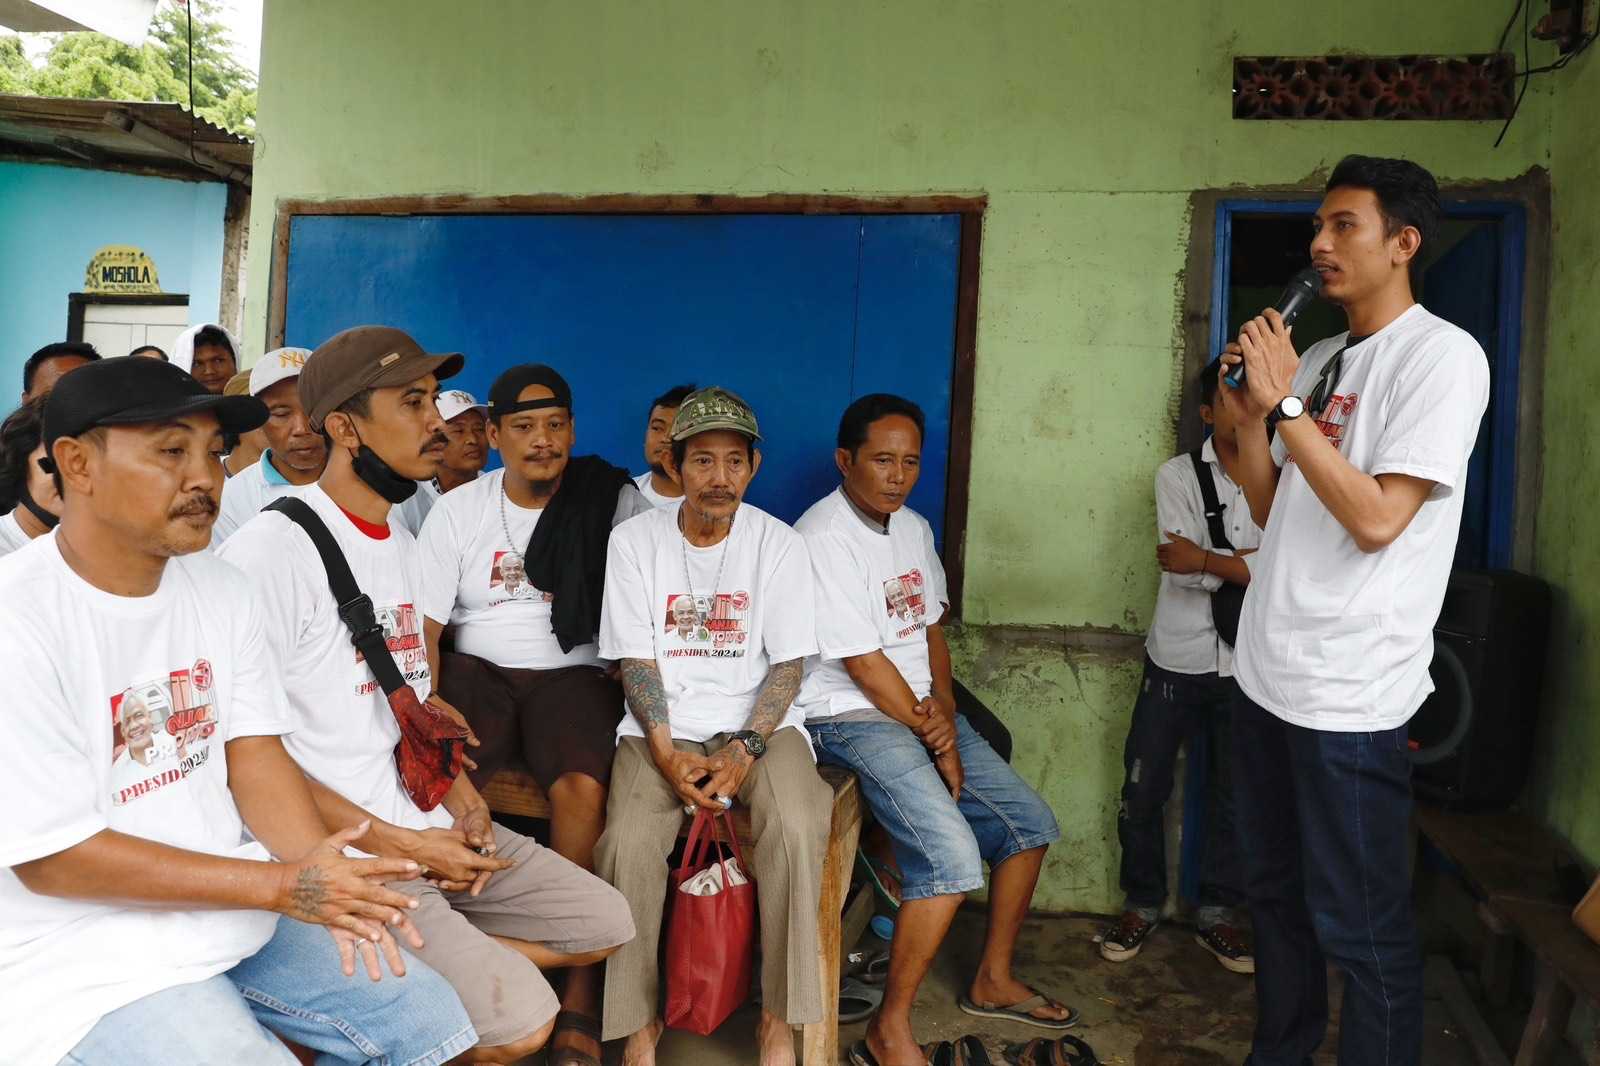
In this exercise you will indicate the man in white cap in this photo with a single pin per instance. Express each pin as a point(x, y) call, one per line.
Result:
point(295, 452)
point(208, 353)
point(466, 423)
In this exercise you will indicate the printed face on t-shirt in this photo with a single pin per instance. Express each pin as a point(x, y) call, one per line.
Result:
point(509, 575)
point(161, 731)
point(706, 626)
point(904, 599)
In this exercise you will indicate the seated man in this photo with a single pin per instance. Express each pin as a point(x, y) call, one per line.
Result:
point(138, 928)
point(1188, 683)
point(29, 506)
point(295, 455)
point(514, 564)
point(466, 423)
point(657, 485)
point(708, 606)
point(209, 353)
point(495, 906)
point(879, 700)
point(242, 449)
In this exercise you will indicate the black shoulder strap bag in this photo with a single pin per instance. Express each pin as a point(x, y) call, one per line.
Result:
point(428, 755)
point(1227, 601)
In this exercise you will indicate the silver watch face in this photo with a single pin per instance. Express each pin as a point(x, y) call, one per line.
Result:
point(1291, 407)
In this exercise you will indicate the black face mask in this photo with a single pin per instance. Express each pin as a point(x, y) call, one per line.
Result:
point(48, 520)
point(381, 478)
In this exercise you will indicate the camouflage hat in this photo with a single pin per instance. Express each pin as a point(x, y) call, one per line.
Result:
point(714, 408)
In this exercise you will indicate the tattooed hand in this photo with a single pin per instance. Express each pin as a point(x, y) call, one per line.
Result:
point(326, 888)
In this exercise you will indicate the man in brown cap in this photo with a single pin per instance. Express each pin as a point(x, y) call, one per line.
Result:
point(495, 907)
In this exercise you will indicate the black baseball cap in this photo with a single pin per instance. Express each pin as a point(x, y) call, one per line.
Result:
point(131, 390)
point(509, 385)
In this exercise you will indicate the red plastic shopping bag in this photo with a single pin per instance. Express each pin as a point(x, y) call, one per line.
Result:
point(711, 929)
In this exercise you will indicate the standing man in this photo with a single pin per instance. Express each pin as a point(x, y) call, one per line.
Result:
point(208, 352)
point(713, 717)
point(495, 907)
point(1360, 494)
point(525, 670)
point(295, 454)
point(45, 366)
point(880, 701)
point(466, 423)
point(657, 485)
point(29, 505)
point(139, 929)
point(1188, 685)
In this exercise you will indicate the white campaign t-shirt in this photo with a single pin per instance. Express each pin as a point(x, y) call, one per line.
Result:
point(244, 494)
point(647, 488)
point(713, 641)
point(183, 671)
point(498, 614)
point(1183, 637)
point(414, 512)
point(11, 535)
point(343, 730)
point(1332, 637)
point(876, 589)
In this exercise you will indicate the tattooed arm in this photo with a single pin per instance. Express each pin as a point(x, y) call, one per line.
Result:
point(773, 700)
point(647, 700)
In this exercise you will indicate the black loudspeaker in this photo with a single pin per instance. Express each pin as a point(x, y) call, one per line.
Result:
point(1472, 738)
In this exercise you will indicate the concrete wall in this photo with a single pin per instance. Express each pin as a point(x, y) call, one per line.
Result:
point(1088, 127)
point(52, 221)
point(1567, 785)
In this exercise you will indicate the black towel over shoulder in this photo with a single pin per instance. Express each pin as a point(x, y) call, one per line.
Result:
point(566, 555)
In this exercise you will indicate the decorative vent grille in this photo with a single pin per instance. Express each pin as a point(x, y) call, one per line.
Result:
point(1368, 87)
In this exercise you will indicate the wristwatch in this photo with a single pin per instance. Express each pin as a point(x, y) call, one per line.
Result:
point(753, 742)
point(1291, 406)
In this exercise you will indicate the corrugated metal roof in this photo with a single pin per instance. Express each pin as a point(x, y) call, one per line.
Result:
point(76, 131)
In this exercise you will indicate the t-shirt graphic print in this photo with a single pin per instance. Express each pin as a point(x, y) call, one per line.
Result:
point(402, 633)
point(161, 732)
point(508, 580)
point(904, 599)
point(713, 627)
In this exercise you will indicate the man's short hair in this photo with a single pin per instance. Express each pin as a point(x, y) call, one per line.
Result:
point(150, 348)
point(672, 398)
point(20, 434)
point(358, 406)
point(58, 350)
point(215, 337)
point(859, 416)
point(680, 448)
point(1407, 194)
point(1208, 382)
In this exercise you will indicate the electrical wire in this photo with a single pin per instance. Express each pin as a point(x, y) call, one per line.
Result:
point(1509, 23)
point(1528, 69)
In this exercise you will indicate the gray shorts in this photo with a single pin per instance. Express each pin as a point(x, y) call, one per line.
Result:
point(543, 899)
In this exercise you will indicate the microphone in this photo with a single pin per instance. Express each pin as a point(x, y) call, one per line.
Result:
point(1301, 290)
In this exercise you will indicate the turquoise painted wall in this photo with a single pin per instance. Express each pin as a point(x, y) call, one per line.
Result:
point(1087, 126)
point(52, 221)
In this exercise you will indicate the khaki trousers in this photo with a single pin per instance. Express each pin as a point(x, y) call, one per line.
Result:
point(790, 812)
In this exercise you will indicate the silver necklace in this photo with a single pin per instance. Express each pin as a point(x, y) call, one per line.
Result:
point(512, 557)
point(701, 614)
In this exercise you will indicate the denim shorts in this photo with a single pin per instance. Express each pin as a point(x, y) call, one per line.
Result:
point(293, 986)
point(941, 845)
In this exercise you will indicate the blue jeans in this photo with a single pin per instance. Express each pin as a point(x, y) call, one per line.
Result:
point(293, 986)
point(1325, 820)
point(1170, 708)
point(941, 845)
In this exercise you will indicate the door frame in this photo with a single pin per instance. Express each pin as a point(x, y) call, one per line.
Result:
point(78, 303)
point(1512, 217)
point(970, 207)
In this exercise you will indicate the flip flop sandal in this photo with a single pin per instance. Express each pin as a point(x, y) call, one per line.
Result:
point(969, 1051)
point(1063, 1051)
point(872, 868)
point(876, 971)
point(1023, 1012)
point(857, 1000)
point(938, 1054)
point(573, 1022)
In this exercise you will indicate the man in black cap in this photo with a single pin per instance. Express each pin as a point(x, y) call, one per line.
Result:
point(514, 563)
point(495, 907)
point(139, 928)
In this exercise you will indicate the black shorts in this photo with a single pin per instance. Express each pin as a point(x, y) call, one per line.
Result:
point(553, 722)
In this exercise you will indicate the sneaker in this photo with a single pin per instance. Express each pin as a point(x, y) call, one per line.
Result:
point(1229, 946)
point(1124, 940)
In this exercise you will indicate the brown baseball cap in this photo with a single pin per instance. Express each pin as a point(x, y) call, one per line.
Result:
point(367, 357)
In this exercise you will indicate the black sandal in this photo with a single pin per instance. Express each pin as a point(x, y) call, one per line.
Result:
point(573, 1022)
point(969, 1051)
point(937, 1054)
point(1064, 1051)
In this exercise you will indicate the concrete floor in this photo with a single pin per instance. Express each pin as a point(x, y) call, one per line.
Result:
point(1171, 1006)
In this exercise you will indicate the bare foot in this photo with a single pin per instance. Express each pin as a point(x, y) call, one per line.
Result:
point(892, 1043)
point(775, 1040)
point(640, 1048)
point(1007, 991)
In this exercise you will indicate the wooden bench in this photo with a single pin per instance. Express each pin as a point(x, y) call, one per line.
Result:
point(512, 791)
point(1508, 862)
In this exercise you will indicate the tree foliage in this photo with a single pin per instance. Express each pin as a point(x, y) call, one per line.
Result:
point(96, 67)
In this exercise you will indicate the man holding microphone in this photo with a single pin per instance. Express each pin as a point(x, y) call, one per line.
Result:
point(1360, 493)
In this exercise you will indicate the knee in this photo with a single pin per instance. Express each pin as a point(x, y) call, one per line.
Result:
point(1142, 795)
point(578, 795)
point(616, 921)
point(517, 1050)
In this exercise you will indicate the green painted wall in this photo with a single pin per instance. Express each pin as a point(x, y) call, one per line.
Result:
point(1567, 785)
point(1088, 127)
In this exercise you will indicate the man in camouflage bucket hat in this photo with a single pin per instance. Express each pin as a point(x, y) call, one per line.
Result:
point(708, 609)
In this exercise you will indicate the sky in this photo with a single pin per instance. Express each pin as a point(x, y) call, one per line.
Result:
point(242, 17)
